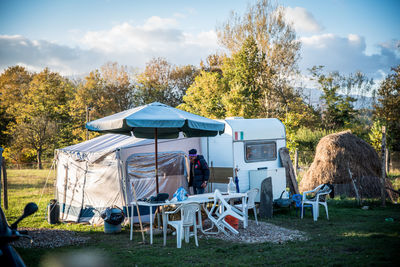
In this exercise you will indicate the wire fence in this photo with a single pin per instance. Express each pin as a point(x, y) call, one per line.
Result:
point(28, 165)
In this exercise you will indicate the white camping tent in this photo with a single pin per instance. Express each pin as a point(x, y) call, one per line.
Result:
point(97, 174)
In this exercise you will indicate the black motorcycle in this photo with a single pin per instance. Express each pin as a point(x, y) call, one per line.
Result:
point(8, 255)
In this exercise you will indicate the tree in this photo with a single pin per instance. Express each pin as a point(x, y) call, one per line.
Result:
point(118, 85)
point(102, 93)
point(241, 73)
point(276, 40)
point(163, 82)
point(14, 84)
point(338, 110)
point(204, 96)
point(213, 63)
point(4, 122)
point(42, 111)
point(235, 87)
point(387, 110)
point(182, 77)
point(375, 136)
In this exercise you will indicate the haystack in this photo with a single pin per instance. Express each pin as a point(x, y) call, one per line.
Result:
point(347, 162)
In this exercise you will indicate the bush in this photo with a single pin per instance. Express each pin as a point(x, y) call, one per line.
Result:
point(308, 138)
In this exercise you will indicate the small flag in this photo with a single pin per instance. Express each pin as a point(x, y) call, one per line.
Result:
point(238, 136)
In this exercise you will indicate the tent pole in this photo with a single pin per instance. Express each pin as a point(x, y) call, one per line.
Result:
point(83, 191)
point(122, 176)
point(156, 150)
point(65, 190)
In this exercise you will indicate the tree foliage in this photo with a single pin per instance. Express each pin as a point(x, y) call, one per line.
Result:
point(242, 72)
point(205, 96)
point(276, 42)
point(14, 84)
point(163, 82)
point(337, 102)
point(387, 110)
point(102, 93)
point(41, 109)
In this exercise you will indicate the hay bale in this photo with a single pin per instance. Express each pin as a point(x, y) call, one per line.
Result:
point(335, 154)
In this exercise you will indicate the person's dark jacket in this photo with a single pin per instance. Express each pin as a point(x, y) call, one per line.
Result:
point(199, 172)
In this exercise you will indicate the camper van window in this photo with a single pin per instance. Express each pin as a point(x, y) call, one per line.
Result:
point(260, 151)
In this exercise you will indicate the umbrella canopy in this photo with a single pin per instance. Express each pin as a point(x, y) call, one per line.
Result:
point(155, 121)
point(169, 121)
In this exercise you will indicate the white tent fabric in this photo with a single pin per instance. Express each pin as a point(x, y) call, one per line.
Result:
point(95, 174)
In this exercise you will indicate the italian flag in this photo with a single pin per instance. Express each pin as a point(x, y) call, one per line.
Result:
point(238, 136)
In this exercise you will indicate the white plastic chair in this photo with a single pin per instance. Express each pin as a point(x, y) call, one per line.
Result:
point(320, 199)
point(188, 219)
point(220, 210)
point(250, 203)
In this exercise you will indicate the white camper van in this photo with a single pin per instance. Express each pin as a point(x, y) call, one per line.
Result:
point(251, 147)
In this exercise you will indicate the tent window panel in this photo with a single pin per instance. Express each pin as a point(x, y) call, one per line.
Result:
point(257, 151)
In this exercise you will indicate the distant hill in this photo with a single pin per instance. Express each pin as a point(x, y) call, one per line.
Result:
point(312, 96)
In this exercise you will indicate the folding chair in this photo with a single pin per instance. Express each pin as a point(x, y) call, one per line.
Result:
point(220, 210)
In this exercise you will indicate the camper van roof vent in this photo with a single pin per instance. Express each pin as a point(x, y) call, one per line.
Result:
point(234, 118)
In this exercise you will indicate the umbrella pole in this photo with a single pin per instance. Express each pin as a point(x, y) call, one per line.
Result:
point(156, 150)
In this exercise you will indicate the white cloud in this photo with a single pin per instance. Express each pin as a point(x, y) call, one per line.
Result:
point(134, 45)
point(302, 20)
point(157, 37)
point(125, 43)
point(346, 55)
point(36, 55)
point(155, 22)
point(180, 15)
point(125, 38)
point(393, 45)
point(203, 39)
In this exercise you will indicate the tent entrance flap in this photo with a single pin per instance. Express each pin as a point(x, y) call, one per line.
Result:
point(141, 171)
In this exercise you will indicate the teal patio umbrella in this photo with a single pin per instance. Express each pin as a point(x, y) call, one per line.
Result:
point(157, 121)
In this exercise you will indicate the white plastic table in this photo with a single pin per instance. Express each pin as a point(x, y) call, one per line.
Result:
point(201, 199)
point(209, 197)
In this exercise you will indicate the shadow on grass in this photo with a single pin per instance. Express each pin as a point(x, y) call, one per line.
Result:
point(27, 185)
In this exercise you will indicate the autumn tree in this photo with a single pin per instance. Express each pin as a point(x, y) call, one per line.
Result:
point(205, 96)
point(163, 82)
point(101, 93)
point(213, 63)
point(276, 41)
point(42, 111)
point(14, 84)
point(387, 110)
point(118, 83)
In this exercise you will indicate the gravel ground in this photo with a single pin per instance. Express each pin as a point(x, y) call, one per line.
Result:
point(263, 232)
point(49, 238)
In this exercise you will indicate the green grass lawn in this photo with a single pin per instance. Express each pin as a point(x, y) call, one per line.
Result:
point(352, 236)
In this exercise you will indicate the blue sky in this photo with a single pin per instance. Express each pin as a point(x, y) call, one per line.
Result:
point(75, 37)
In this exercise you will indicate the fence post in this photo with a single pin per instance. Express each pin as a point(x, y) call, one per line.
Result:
point(383, 171)
point(296, 161)
point(387, 161)
point(5, 193)
point(1, 169)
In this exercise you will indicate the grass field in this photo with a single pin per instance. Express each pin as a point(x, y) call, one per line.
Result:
point(352, 236)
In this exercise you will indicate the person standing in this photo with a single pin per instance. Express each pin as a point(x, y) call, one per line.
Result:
point(199, 172)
